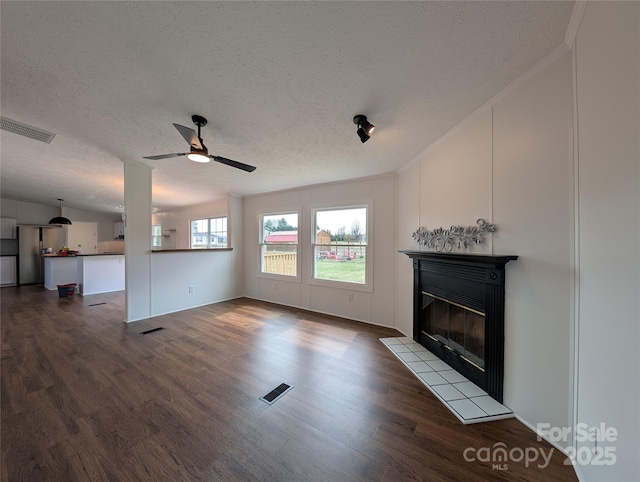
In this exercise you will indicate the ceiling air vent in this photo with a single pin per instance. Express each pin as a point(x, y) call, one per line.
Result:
point(26, 130)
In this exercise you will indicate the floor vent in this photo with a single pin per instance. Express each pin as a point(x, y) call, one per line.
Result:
point(276, 393)
point(25, 130)
point(146, 332)
point(97, 304)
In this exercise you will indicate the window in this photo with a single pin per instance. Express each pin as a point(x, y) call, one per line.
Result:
point(209, 233)
point(340, 245)
point(156, 236)
point(279, 244)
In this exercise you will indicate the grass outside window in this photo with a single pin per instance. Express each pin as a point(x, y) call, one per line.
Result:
point(350, 271)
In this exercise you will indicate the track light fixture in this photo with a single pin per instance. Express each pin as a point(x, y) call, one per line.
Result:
point(59, 219)
point(365, 128)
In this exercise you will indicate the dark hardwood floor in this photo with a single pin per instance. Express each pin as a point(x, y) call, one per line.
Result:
point(86, 397)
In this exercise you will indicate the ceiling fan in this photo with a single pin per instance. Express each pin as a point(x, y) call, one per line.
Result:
point(199, 152)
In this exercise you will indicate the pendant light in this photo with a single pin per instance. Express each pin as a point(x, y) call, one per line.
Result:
point(59, 219)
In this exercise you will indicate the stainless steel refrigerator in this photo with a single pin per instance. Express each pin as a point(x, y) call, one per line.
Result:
point(31, 242)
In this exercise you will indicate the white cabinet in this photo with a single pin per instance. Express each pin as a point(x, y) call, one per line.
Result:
point(118, 230)
point(7, 270)
point(7, 228)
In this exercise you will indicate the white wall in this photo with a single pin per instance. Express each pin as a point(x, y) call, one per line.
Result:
point(572, 312)
point(532, 206)
point(176, 222)
point(235, 226)
point(33, 213)
point(28, 213)
point(83, 236)
point(210, 273)
point(608, 110)
point(214, 275)
point(376, 307)
point(510, 164)
point(407, 220)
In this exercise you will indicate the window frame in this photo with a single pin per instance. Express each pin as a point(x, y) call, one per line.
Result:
point(367, 286)
point(276, 276)
point(209, 233)
point(156, 236)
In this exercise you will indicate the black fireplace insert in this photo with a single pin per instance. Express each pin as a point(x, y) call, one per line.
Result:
point(459, 313)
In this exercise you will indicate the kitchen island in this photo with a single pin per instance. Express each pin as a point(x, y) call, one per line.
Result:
point(100, 273)
point(59, 270)
point(93, 273)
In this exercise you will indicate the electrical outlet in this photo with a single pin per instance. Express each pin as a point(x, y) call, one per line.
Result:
point(191, 289)
point(350, 296)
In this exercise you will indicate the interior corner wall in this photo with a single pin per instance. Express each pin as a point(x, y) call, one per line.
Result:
point(607, 59)
point(235, 225)
point(533, 208)
point(375, 307)
point(511, 164)
point(407, 220)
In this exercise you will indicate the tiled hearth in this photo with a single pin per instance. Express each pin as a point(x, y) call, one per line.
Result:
point(467, 401)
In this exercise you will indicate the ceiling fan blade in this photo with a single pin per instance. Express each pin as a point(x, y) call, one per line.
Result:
point(165, 156)
point(236, 164)
point(189, 135)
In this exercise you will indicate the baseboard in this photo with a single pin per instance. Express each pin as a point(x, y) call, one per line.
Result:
point(183, 309)
point(555, 445)
point(321, 312)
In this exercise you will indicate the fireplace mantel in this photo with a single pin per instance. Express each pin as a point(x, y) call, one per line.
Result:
point(472, 281)
point(488, 260)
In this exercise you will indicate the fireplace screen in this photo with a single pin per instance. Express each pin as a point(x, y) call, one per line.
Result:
point(459, 328)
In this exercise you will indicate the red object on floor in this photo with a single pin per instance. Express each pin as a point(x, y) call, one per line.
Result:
point(66, 290)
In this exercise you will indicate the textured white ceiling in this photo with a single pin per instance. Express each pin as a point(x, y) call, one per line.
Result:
point(278, 81)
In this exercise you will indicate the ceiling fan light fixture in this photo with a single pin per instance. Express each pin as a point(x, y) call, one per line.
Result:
point(199, 152)
point(198, 157)
point(365, 128)
point(60, 219)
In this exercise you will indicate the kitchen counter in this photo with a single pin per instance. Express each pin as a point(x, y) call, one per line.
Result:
point(101, 254)
point(56, 255)
point(93, 273)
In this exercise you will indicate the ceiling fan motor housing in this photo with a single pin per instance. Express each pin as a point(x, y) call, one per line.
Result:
point(199, 121)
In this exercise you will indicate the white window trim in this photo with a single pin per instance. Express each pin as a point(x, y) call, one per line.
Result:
point(344, 285)
point(274, 276)
point(154, 236)
point(208, 218)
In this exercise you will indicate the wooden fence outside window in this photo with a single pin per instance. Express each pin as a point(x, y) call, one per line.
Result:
point(279, 262)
